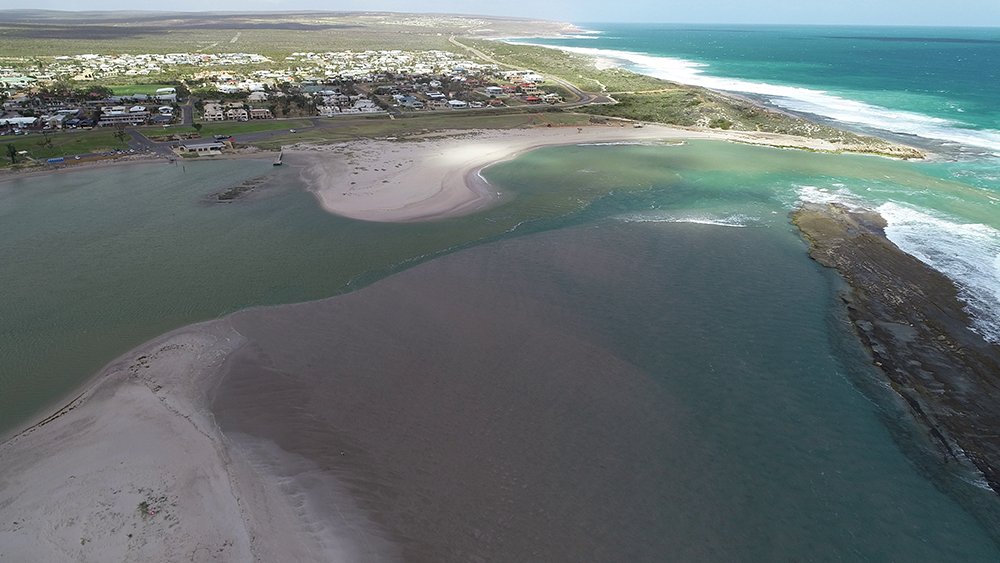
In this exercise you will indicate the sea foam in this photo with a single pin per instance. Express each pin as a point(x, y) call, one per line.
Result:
point(734, 220)
point(968, 254)
point(795, 98)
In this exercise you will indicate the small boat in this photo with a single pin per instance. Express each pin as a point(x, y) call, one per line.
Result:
point(277, 161)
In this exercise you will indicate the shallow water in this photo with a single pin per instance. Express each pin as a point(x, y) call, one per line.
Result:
point(788, 440)
point(619, 390)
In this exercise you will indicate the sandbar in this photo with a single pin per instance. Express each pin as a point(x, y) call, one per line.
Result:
point(437, 175)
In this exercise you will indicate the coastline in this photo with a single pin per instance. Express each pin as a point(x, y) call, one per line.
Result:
point(437, 175)
point(7, 175)
point(910, 319)
point(152, 407)
point(135, 467)
point(100, 479)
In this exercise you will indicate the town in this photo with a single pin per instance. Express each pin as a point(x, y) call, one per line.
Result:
point(83, 91)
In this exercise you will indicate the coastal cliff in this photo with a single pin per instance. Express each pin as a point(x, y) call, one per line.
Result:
point(910, 318)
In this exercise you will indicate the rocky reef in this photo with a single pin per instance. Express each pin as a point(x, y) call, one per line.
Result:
point(911, 319)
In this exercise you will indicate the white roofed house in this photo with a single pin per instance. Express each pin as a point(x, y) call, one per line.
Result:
point(203, 148)
point(166, 94)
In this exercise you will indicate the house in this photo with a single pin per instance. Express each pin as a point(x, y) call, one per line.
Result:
point(237, 114)
point(203, 148)
point(260, 113)
point(257, 96)
point(494, 90)
point(18, 121)
point(457, 104)
point(166, 94)
point(213, 112)
point(533, 100)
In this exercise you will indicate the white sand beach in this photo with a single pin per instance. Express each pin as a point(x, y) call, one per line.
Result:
point(436, 175)
point(135, 469)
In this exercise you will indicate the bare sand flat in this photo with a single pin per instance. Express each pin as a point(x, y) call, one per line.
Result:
point(135, 469)
point(130, 471)
point(436, 175)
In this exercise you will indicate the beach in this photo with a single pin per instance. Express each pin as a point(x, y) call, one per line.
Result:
point(437, 175)
point(450, 346)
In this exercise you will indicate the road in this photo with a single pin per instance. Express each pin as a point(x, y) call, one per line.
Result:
point(583, 98)
point(141, 143)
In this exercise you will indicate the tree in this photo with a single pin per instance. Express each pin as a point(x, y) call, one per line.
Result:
point(121, 135)
point(12, 153)
point(46, 140)
point(197, 127)
point(182, 90)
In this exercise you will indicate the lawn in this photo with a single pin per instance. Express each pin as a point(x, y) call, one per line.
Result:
point(210, 129)
point(346, 129)
point(132, 89)
point(64, 143)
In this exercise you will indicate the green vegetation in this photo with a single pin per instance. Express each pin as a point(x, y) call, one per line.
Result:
point(63, 143)
point(211, 128)
point(345, 129)
point(47, 34)
point(132, 89)
point(645, 98)
point(578, 70)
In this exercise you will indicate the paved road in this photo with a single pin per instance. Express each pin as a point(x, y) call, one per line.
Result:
point(141, 143)
point(187, 112)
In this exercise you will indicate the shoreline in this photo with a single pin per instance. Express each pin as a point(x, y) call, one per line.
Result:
point(438, 175)
point(916, 329)
point(114, 469)
point(7, 175)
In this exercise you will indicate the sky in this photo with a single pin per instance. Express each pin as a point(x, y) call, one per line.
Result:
point(862, 12)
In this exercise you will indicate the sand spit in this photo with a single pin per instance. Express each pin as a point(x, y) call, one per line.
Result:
point(448, 413)
point(130, 470)
point(134, 469)
point(436, 175)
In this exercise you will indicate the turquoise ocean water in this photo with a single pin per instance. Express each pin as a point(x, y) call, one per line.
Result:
point(928, 85)
point(937, 88)
point(793, 448)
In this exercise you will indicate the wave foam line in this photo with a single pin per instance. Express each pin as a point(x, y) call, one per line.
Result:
point(795, 98)
point(736, 220)
point(968, 254)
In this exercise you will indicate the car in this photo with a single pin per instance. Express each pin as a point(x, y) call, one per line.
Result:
point(292, 131)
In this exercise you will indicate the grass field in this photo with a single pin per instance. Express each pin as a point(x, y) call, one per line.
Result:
point(346, 129)
point(66, 144)
point(132, 89)
point(229, 127)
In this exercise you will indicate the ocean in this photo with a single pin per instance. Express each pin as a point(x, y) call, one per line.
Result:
point(936, 88)
point(752, 426)
point(926, 85)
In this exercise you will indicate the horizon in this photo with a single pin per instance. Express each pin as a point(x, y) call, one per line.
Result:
point(987, 18)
